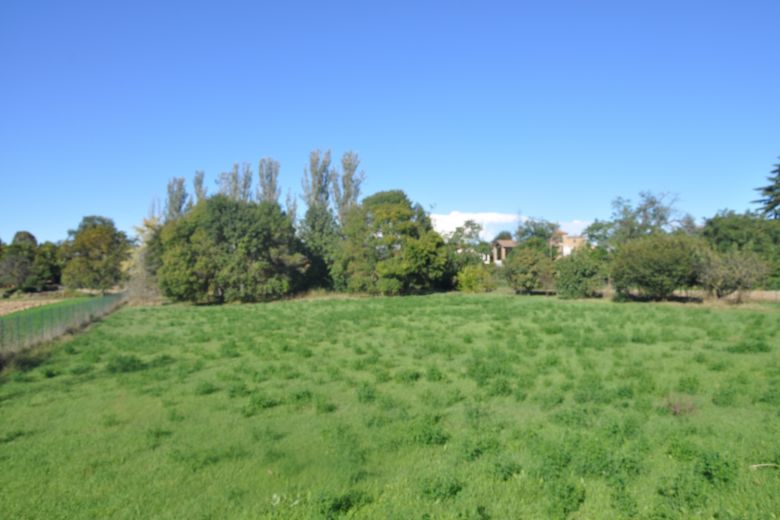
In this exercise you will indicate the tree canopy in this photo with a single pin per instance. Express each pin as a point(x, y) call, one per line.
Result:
point(770, 195)
point(94, 254)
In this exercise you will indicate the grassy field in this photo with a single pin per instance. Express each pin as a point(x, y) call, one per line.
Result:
point(444, 406)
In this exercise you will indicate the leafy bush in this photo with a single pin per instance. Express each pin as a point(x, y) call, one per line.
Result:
point(581, 274)
point(656, 265)
point(528, 269)
point(475, 278)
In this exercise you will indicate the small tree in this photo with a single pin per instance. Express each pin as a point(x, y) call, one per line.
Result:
point(527, 269)
point(581, 274)
point(94, 253)
point(734, 271)
point(656, 265)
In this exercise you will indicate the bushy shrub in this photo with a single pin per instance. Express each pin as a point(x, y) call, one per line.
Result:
point(475, 278)
point(656, 265)
point(580, 275)
point(528, 270)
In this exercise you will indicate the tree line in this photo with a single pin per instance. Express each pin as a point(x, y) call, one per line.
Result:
point(92, 257)
point(241, 243)
point(650, 250)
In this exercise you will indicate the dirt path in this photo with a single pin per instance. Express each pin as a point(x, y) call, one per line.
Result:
point(8, 307)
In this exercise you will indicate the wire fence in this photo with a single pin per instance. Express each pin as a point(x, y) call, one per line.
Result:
point(30, 327)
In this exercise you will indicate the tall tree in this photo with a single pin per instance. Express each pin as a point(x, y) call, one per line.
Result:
point(94, 254)
point(268, 172)
point(319, 230)
point(346, 189)
point(390, 247)
point(200, 189)
point(176, 200)
point(236, 185)
point(317, 179)
point(770, 195)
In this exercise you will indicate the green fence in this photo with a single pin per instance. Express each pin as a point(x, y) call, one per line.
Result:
point(24, 329)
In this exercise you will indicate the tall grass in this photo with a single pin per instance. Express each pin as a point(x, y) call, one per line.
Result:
point(444, 406)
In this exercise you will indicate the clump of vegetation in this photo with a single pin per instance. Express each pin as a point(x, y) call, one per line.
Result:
point(475, 279)
point(441, 487)
point(120, 363)
point(527, 269)
point(581, 274)
point(655, 266)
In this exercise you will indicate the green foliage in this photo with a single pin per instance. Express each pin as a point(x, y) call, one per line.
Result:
point(476, 278)
point(528, 269)
point(770, 195)
point(538, 234)
point(390, 247)
point(94, 254)
point(226, 250)
point(730, 232)
point(724, 273)
point(28, 266)
point(581, 274)
point(653, 214)
point(656, 265)
point(319, 233)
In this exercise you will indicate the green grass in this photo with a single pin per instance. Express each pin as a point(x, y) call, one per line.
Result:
point(444, 406)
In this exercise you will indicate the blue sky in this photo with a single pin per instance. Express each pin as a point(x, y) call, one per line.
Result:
point(550, 109)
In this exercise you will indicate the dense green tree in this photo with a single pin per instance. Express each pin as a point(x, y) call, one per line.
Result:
point(390, 247)
point(230, 250)
point(770, 195)
point(17, 264)
point(656, 265)
point(47, 267)
point(528, 269)
point(94, 254)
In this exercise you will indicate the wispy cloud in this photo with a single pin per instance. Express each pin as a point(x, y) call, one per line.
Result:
point(493, 222)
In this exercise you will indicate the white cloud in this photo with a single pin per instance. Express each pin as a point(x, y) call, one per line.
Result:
point(493, 222)
point(575, 227)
